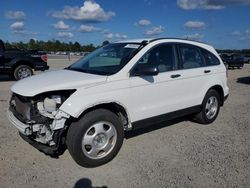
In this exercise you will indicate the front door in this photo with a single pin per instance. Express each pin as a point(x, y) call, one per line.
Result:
point(156, 95)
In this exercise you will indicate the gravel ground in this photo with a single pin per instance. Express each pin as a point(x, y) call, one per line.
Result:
point(178, 154)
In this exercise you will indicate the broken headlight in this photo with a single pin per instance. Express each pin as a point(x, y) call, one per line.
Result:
point(52, 101)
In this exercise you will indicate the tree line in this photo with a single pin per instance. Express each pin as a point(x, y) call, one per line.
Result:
point(243, 51)
point(56, 45)
point(50, 46)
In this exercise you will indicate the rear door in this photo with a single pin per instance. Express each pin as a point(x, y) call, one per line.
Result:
point(193, 75)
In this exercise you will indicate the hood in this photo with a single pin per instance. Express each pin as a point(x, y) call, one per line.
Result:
point(55, 80)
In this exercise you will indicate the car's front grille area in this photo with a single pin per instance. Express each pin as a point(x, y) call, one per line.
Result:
point(21, 108)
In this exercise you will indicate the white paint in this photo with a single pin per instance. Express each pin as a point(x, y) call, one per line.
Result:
point(141, 97)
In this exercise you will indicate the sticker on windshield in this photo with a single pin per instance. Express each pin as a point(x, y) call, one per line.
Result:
point(132, 46)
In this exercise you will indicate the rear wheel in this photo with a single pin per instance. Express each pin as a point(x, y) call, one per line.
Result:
point(96, 138)
point(210, 108)
point(22, 71)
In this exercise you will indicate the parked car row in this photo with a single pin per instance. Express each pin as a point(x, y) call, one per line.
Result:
point(69, 53)
point(234, 60)
point(247, 59)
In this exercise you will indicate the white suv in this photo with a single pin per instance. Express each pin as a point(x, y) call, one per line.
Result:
point(119, 87)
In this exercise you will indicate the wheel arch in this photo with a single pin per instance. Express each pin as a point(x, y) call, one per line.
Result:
point(220, 91)
point(22, 62)
point(114, 107)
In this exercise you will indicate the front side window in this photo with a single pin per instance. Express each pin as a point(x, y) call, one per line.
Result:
point(162, 56)
point(106, 60)
point(191, 57)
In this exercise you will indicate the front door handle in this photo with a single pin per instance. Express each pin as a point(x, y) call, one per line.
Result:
point(207, 71)
point(175, 75)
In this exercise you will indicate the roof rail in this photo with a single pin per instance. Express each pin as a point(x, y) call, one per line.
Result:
point(176, 39)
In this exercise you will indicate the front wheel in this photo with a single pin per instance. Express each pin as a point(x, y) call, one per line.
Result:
point(22, 71)
point(96, 138)
point(210, 108)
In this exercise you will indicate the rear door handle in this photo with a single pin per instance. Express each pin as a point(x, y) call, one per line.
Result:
point(207, 71)
point(175, 75)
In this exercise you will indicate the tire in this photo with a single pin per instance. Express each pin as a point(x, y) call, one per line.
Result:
point(22, 71)
point(95, 132)
point(212, 102)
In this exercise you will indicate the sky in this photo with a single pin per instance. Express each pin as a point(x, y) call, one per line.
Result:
point(225, 24)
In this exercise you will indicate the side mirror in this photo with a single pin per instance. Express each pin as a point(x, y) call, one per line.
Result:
point(145, 70)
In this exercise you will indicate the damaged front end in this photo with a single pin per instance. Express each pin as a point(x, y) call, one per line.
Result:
point(40, 121)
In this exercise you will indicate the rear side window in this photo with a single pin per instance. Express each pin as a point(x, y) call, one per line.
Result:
point(191, 57)
point(210, 58)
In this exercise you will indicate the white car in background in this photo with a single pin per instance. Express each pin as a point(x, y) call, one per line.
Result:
point(119, 87)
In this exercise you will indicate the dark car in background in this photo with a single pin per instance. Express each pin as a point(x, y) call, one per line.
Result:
point(247, 59)
point(20, 64)
point(233, 60)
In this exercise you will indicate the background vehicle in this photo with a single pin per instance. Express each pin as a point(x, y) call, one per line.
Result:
point(118, 87)
point(20, 64)
point(233, 60)
point(247, 59)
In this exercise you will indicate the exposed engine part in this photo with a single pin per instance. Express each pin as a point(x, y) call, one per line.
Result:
point(48, 109)
point(45, 136)
point(49, 105)
point(44, 112)
point(41, 114)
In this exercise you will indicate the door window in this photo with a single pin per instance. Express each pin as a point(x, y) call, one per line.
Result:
point(210, 58)
point(162, 56)
point(191, 57)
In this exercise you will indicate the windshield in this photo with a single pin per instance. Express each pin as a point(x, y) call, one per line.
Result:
point(106, 60)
